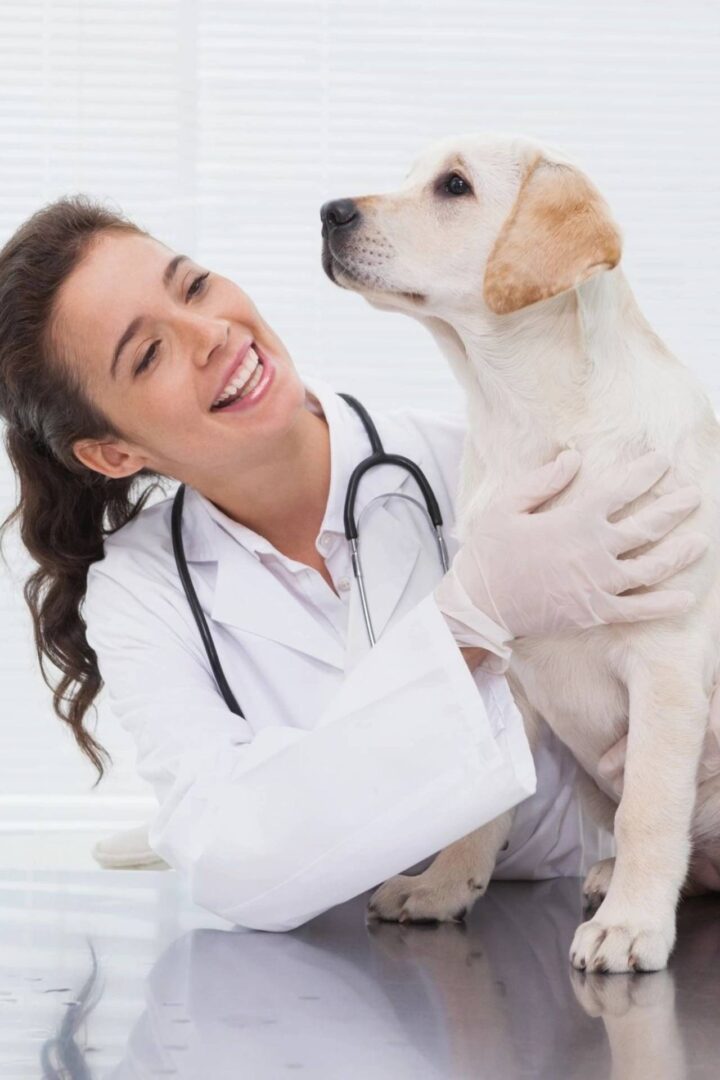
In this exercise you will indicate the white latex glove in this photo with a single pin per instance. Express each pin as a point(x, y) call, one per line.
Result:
point(521, 573)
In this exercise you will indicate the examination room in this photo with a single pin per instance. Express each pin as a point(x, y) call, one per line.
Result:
point(360, 540)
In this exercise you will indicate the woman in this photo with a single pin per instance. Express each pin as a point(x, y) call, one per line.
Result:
point(351, 764)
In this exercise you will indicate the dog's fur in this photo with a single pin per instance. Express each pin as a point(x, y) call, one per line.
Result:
point(519, 282)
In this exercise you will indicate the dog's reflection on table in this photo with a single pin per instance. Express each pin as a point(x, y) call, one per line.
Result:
point(509, 997)
point(496, 998)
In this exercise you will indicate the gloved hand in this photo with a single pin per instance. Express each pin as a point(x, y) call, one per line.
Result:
point(521, 573)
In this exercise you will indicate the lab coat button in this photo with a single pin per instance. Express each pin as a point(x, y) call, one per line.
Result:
point(324, 540)
point(343, 584)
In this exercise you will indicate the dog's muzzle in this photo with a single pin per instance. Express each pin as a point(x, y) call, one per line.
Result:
point(339, 218)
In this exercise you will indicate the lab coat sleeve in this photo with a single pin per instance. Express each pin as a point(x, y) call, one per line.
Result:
point(272, 828)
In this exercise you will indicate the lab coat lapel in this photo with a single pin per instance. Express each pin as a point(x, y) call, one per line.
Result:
point(247, 596)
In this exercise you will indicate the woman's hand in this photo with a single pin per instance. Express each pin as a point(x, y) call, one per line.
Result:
point(540, 573)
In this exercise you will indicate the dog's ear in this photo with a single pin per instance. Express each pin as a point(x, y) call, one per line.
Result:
point(558, 234)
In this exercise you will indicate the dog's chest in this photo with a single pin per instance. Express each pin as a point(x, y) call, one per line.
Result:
point(569, 681)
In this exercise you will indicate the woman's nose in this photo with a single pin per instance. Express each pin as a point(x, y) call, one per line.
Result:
point(210, 334)
point(338, 213)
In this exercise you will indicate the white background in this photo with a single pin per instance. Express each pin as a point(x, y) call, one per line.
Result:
point(222, 127)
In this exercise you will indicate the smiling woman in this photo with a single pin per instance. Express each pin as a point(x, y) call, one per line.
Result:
point(122, 362)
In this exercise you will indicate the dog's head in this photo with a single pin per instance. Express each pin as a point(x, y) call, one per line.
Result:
point(482, 220)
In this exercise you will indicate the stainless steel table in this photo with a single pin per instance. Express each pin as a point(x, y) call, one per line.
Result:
point(117, 974)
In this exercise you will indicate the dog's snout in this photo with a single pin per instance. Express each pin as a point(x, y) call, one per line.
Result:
point(338, 213)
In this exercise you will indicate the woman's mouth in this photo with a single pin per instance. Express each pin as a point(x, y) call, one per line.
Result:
point(248, 384)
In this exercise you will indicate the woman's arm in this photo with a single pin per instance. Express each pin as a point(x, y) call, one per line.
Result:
point(273, 827)
point(474, 657)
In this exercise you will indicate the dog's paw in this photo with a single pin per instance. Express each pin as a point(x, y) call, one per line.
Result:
point(621, 946)
point(424, 898)
point(599, 996)
point(597, 883)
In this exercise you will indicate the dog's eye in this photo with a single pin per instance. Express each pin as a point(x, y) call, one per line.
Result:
point(456, 185)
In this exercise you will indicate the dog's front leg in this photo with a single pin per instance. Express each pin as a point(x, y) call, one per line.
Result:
point(634, 927)
point(447, 890)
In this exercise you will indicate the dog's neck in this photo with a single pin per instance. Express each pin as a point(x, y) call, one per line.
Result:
point(582, 369)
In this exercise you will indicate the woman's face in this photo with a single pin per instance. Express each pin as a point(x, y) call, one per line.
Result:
point(187, 328)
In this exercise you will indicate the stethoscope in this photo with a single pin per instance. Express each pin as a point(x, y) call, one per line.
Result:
point(431, 510)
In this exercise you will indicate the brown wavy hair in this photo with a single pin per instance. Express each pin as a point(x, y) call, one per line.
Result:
point(65, 509)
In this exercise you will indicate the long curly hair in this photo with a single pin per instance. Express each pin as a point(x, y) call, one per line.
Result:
point(64, 508)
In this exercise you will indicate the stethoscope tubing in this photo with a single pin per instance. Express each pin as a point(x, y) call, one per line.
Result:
point(376, 457)
point(207, 640)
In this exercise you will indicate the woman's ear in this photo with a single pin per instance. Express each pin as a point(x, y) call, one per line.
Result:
point(558, 234)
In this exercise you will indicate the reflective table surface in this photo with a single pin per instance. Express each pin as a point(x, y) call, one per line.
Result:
point(117, 974)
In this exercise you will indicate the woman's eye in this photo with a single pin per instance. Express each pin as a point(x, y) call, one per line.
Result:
point(147, 358)
point(197, 285)
point(456, 185)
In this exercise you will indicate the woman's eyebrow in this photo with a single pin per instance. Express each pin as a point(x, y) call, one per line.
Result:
point(133, 327)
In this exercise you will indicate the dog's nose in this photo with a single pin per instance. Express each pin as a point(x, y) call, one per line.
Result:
point(339, 212)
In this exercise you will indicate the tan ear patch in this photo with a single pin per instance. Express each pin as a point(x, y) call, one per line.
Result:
point(558, 234)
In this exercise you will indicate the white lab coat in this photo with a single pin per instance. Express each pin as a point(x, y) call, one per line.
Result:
point(351, 764)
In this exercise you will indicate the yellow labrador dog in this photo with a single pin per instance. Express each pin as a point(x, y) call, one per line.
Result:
point(509, 255)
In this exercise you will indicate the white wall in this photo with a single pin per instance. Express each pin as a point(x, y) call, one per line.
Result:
point(223, 125)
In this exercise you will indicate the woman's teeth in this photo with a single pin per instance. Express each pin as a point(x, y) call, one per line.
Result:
point(244, 381)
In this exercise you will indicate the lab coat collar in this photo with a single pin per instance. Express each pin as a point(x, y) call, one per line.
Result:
point(243, 598)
